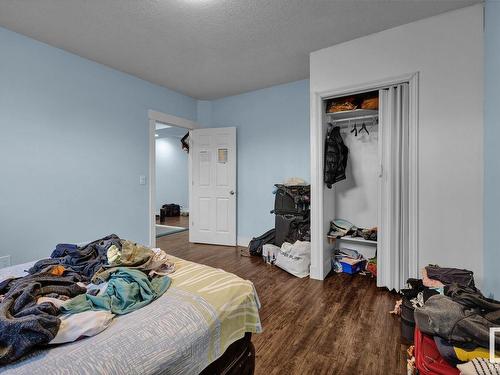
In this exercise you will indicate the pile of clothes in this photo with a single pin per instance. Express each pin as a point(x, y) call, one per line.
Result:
point(453, 319)
point(340, 228)
point(77, 292)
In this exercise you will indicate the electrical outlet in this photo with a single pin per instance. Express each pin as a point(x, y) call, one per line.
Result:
point(142, 180)
point(5, 261)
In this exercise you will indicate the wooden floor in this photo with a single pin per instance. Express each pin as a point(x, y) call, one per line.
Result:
point(339, 326)
point(176, 221)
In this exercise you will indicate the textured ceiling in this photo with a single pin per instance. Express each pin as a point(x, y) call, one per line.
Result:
point(209, 48)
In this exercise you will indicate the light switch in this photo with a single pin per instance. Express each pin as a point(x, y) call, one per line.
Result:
point(142, 180)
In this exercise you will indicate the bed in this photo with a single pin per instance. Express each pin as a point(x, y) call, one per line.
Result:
point(202, 324)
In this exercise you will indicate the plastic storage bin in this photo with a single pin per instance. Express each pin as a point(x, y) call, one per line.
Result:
point(352, 266)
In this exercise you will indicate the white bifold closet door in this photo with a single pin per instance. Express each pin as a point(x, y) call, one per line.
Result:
point(393, 251)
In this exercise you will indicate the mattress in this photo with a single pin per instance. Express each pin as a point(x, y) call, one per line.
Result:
point(203, 312)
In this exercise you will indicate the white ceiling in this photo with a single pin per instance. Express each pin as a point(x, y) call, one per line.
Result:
point(209, 48)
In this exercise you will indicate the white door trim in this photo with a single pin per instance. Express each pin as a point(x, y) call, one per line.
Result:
point(320, 257)
point(154, 117)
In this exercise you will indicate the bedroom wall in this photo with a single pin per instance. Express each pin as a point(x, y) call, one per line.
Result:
point(73, 143)
point(447, 51)
point(491, 150)
point(172, 185)
point(273, 144)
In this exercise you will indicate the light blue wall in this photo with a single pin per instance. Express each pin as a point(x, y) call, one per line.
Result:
point(171, 173)
point(273, 144)
point(73, 143)
point(492, 150)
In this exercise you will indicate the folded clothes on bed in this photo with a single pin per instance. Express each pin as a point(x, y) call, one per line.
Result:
point(128, 290)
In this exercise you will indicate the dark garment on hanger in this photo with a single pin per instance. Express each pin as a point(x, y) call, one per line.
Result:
point(185, 142)
point(335, 157)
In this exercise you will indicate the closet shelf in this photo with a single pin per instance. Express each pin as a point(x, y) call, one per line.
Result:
point(352, 239)
point(355, 114)
point(352, 114)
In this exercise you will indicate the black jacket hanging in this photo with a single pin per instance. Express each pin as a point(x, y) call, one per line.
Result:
point(335, 157)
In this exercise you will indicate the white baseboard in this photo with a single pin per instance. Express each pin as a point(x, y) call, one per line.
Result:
point(243, 241)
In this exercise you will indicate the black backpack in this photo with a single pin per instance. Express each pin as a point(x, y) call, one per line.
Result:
point(256, 244)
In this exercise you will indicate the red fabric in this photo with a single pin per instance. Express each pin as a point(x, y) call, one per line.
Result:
point(427, 358)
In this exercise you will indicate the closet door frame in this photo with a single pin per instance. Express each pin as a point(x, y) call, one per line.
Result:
point(320, 249)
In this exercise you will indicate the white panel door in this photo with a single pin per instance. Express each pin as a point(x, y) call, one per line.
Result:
point(212, 154)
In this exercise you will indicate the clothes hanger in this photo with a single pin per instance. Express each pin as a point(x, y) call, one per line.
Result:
point(364, 127)
point(355, 130)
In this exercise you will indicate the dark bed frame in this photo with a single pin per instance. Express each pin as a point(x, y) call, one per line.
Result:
point(238, 359)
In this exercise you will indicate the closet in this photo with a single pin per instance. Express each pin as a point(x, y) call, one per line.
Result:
point(374, 192)
point(355, 193)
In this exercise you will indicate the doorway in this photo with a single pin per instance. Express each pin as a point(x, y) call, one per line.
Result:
point(172, 180)
point(209, 212)
point(169, 173)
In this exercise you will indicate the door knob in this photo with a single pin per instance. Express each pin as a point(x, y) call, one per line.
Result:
point(231, 192)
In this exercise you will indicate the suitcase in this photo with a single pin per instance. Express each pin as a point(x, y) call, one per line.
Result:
point(282, 225)
point(291, 200)
point(169, 210)
point(427, 358)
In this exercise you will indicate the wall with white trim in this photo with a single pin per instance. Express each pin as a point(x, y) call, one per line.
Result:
point(447, 51)
point(491, 150)
point(73, 145)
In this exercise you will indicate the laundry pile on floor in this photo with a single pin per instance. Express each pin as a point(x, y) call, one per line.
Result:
point(448, 319)
point(287, 245)
point(77, 292)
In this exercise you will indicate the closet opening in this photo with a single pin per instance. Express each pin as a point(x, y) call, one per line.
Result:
point(351, 175)
point(364, 182)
